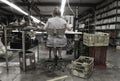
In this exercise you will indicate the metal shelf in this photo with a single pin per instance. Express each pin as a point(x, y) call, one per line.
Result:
point(106, 5)
point(23, 48)
point(108, 23)
point(14, 49)
point(110, 16)
point(106, 11)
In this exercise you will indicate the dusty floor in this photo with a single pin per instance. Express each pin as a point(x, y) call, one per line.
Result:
point(111, 73)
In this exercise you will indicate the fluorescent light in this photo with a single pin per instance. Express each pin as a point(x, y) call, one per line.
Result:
point(14, 6)
point(35, 19)
point(62, 7)
point(20, 10)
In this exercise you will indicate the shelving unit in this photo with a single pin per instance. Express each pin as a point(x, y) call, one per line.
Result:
point(108, 19)
point(86, 24)
point(6, 44)
point(88, 21)
point(23, 49)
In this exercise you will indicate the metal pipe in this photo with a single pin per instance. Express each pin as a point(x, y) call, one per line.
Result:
point(23, 49)
point(5, 38)
point(38, 52)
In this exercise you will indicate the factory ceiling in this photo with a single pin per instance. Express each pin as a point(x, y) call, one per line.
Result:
point(40, 8)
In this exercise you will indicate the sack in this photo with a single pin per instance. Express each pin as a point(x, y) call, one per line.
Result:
point(2, 47)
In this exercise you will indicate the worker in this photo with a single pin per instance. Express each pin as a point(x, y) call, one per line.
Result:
point(57, 40)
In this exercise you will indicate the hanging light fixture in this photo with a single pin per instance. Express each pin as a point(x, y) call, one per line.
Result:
point(20, 10)
point(62, 7)
point(14, 6)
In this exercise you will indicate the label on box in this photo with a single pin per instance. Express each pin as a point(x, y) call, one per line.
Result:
point(27, 62)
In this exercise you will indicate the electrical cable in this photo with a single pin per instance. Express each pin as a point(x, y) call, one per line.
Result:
point(68, 3)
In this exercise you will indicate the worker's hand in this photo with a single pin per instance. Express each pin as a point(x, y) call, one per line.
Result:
point(69, 27)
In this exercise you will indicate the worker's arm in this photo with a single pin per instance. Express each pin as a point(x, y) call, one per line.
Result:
point(68, 27)
point(46, 26)
point(43, 26)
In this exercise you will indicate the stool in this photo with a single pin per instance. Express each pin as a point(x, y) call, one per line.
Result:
point(29, 60)
point(55, 65)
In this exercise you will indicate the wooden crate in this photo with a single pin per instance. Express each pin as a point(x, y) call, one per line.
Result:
point(82, 67)
point(97, 39)
point(29, 60)
point(81, 74)
point(99, 53)
point(118, 47)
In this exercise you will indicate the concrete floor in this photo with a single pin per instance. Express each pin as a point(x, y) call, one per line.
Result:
point(111, 73)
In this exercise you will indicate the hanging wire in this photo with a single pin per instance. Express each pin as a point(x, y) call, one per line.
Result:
point(68, 3)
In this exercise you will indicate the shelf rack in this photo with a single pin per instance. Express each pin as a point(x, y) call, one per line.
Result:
point(23, 45)
point(113, 19)
point(106, 18)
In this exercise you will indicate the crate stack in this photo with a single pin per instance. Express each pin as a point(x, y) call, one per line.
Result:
point(97, 47)
point(82, 67)
point(30, 63)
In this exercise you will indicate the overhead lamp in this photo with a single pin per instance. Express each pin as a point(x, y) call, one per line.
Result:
point(62, 6)
point(20, 10)
point(14, 6)
point(36, 20)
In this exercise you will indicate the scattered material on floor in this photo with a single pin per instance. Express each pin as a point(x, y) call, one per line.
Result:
point(58, 78)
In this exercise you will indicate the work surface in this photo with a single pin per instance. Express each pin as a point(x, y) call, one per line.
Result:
point(67, 32)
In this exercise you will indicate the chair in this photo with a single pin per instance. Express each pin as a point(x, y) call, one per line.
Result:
point(55, 32)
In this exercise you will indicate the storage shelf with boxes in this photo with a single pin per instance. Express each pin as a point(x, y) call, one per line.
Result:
point(108, 17)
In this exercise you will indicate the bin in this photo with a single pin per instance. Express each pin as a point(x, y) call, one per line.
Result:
point(82, 67)
point(99, 53)
point(29, 60)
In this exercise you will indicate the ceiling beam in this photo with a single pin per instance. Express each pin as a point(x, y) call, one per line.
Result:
point(4, 10)
point(52, 4)
point(32, 6)
point(41, 15)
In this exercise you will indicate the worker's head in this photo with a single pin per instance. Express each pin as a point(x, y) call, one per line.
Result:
point(56, 12)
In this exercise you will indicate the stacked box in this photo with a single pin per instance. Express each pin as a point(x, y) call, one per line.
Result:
point(97, 39)
point(82, 67)
point(118, 19)
point(112, 26)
